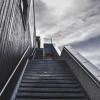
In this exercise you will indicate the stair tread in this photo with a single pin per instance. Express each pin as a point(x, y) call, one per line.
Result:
point(51, 99)
point(51, 95)
point(50, 85)
point(49, 80)
point(72, 90)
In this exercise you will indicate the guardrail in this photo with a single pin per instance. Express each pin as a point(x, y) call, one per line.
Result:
point(87, 73)
point(88, 66)
point(20, 78)
point(12, 75)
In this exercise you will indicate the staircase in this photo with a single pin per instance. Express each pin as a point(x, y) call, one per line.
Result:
point(49, 80)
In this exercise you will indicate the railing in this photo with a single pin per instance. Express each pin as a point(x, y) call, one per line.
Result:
point(13, 73)
point(92, 71)
point(20, 78)
point(48, 40)
point(87, 73)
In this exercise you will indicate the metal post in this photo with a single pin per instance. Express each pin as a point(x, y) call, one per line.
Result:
point(51, 40)
point(34, 18)
point(34, 34)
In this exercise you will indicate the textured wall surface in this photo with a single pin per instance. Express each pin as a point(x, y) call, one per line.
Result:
point(14, 35)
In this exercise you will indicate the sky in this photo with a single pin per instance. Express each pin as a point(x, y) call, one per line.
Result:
point(70, 22)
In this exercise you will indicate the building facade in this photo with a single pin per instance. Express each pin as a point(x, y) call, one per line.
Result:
point(15, 36)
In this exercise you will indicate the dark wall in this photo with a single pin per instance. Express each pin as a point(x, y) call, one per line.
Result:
point(14, 35)
point(49, 51)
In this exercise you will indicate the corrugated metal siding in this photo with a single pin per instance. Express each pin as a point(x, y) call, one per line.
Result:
point(14, 39)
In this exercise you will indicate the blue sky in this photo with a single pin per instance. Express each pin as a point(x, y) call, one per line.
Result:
point(73, 22)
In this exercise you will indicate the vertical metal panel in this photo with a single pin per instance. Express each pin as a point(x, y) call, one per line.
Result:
point(13, 38)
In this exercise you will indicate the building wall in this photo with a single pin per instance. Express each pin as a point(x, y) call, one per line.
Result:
point(14, 35)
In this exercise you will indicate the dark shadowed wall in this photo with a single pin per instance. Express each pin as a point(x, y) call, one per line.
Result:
point(14, 35)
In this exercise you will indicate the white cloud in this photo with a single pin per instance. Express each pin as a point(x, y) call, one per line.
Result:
point(92, 55)
point(70, 22)
point(59, 6)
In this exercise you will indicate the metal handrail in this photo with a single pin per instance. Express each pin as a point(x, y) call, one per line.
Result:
point(33, 52)
point(11, 76)
point(15, 91)
point(84, 69)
